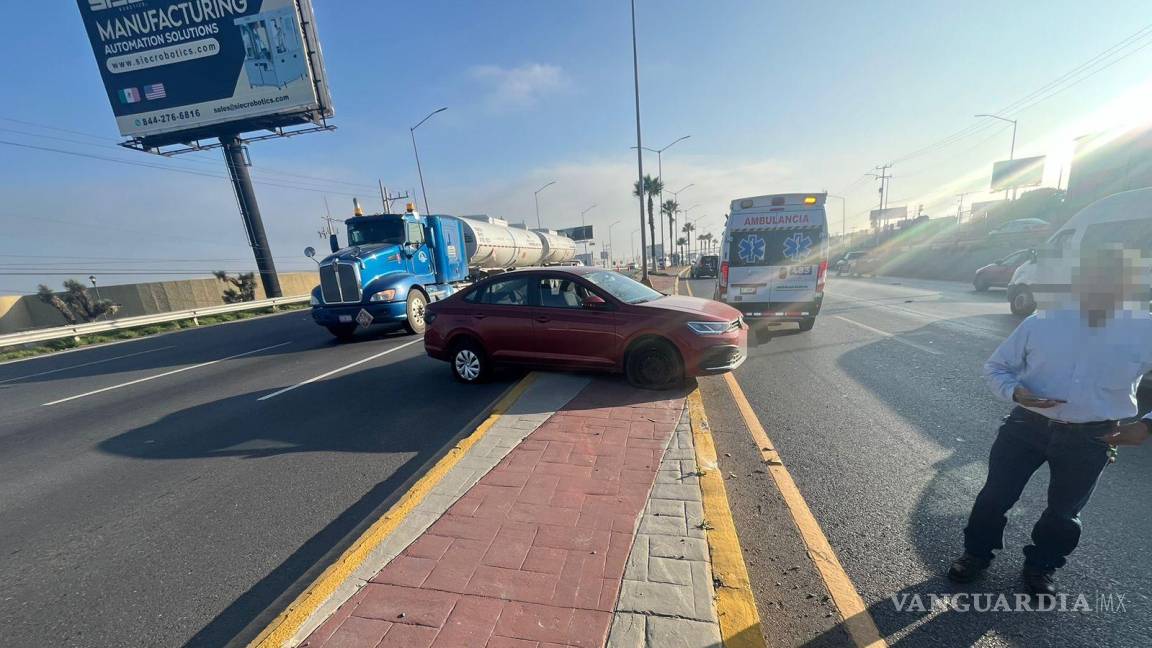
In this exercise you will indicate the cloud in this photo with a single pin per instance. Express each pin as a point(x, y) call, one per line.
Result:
point(520, 87)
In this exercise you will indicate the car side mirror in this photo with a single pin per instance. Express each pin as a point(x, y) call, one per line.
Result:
point(309, 251)
point(595, 302)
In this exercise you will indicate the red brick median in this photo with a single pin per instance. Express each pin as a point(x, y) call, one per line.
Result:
point(532, 556)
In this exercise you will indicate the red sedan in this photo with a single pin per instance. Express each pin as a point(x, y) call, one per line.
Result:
point(583, 318)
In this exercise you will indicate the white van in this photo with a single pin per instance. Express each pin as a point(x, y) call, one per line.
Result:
point(774, 258)
point(1123, 218)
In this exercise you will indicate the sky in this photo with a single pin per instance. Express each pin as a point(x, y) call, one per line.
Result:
point(776, 96)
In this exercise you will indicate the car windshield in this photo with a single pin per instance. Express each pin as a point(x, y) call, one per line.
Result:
point(622, 288)
point(388, 231)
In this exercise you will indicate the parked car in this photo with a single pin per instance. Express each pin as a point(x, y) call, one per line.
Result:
point(583, 318)
point(999, 273)
point(1022, 226)
point(842, 264)
point(708, 267)
point(861, 263)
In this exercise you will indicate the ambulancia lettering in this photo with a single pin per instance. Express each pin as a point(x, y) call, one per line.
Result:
point(776, 219)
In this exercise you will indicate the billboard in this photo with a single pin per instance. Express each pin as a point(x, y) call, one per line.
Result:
point(888, 214)
point(199, 68)
point(1022, 172)
point(1107, 163)
point(582, 233)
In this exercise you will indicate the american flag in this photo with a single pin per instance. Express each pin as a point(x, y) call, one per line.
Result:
point(155, 91)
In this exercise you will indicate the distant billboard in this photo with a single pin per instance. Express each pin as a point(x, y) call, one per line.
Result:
point(1023, 172)
point(198, 68)
point(885, 215)
point(582, 233)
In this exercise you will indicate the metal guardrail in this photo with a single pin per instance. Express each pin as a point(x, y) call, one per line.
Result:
point(79, 330)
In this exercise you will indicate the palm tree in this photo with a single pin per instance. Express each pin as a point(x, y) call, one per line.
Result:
point(688, 229)
point(669, 209)
point(652, 187)
point(680, 243)
point(708, 240)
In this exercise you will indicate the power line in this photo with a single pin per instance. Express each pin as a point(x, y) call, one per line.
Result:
point(114, 144)
point(1051, 88)
point(169, 168)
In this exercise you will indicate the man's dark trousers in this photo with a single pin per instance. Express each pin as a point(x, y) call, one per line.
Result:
point(1075, 457)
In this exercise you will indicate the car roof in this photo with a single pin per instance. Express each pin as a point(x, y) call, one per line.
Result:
point(576, 270)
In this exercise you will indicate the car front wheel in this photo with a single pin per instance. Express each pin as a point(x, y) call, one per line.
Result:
point(654, 364)
point(470, 364)
point(1021, 301)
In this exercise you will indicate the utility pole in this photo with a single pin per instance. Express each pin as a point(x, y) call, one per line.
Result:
point(960, 205)
point(883, 177)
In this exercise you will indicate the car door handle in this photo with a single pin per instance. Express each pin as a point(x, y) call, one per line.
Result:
point(543, 320)
point(479, 316)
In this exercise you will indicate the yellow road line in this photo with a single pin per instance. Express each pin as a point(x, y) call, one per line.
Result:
point(735, 604)
point(857, 620)
point(285, 626)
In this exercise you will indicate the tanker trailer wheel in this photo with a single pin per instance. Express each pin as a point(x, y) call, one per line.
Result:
point(417, 303)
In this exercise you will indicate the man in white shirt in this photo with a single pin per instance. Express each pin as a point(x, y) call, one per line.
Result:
point(1073, 374)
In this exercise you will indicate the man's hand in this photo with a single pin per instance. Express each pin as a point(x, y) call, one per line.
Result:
point(1129, 434)
point(1028, 399)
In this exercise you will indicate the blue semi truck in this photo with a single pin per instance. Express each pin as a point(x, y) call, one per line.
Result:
point(395, 264)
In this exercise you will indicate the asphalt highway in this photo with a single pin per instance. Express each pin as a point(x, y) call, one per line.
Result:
point(169, 491)
point(882, 419)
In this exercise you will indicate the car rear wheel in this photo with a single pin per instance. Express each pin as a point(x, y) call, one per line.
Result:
point(414, 320)
point(470, 364)
point(1021, 301)
point(342, 332)
point(654, 364)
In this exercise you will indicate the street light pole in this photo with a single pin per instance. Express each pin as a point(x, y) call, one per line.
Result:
point(843, 218)
point(1012, 147)
point(676, 199)
point(585, 225)
point(536, 196)
point(611, 248)
point(660, 175)
point(639, 153)
point(419, 171)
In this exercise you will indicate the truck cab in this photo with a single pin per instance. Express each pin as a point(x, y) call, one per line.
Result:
point(393, 266)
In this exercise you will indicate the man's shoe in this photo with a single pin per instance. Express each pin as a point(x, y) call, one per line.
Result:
point(1040, 581)
point(968, 568)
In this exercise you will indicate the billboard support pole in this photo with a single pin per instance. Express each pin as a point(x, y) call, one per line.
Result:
point(250, 212)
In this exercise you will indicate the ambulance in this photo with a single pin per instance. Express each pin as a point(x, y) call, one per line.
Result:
point(774, 258)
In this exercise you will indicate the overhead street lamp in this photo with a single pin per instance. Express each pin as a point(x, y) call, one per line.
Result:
point(660, 174)
point(676, 199)
point(611, 248)
point(843, 219)
point(1012, 147)
point(639, 154)
point(585, 225)
point(536, 196)
point(419, 171)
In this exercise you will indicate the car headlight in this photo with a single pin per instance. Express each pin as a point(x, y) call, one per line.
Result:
point(312, 301)
point(383, 296)
point(709, 328)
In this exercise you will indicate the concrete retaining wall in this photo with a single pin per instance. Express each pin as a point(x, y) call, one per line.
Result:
point(28, 312)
